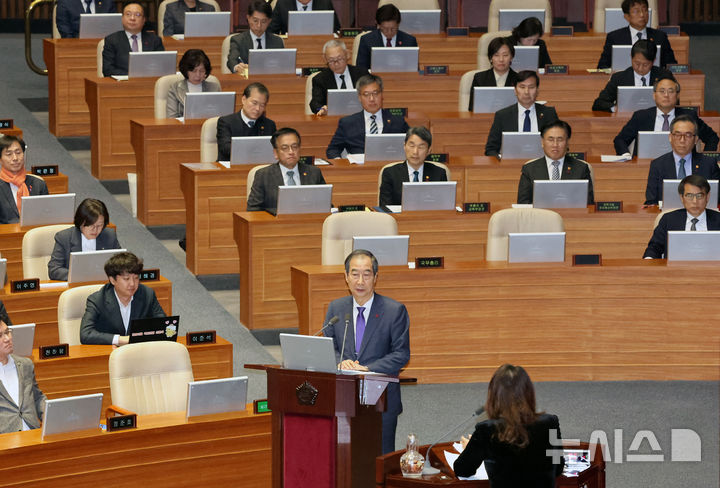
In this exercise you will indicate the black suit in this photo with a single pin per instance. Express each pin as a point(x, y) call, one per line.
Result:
point(264, 191)
point(325, 80)
point(116, 53)
point(68, 13)
point(70, 240)
point(608, 96)
point(644, 120)
point(350, 132)
point(487, 78)
point(394, 176)
point(621, 37)
point(675, 220)
point(663, 168)
point(174, 19)
point(8, 206)
point(572, 169)
point(279, 22)
point(375, 39)
point(506, 120)
point(233, 125)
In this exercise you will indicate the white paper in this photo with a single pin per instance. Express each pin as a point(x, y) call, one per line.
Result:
point(480, 474)
point(321, 162)
point(120, 77)
point(356, 158)
point(178, 37)
point(611, 158)
point(394, 208)
point(180, 119)
point(522, 205)
point(225, 163)
point(53, 286)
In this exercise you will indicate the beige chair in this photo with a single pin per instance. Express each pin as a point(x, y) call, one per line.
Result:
point(55, 31)
point(224, 51)
point(483, 62)
point(443, 166)
point(464, 95)
point(150, 377)
point(37, 246)
point(308, 93)
point(412, 4)
point(162, 86)
point(356, 46)
point(601, 5)
point(660, 215)
point(163, 7)
point(208, 141)
point(496, 5)
point(71, 308)
point(251, 178)
point(339, 229)
point(100, 47)
point(518, 220)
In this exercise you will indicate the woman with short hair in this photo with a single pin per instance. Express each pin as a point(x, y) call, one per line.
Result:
point(195, 68)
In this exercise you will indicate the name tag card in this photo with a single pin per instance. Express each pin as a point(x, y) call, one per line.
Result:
point(433, 262)
point(712, 154)
point(562, 30)
point(576, 155)
point(557, 69)
point(202, 337)
point(310, 70)
point(609, 207)
point(690, 108)
point(122, 422)
point(152, 274)
point(351, 208)
point(20, 286)
point(438, 158)
point(350, 32)
point(587, 260)
point(56, 351)
point(6, 124)
point(671, 30)
point(436, 70)
point(458, 31)
point(476, 207)
point(261, 406)
point(49, 170)
point(679, 69)
point(307, 160)
point(399, 111)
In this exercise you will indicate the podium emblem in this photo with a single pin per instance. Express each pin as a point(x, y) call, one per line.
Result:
point(306, 394)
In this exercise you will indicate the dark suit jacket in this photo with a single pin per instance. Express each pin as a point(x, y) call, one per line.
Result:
point(644, 120)
point(264, 191)
point(68, 14)
point(279, 22)
point(102, 319)
point(350, 132)
point(506, 120)
point(116, 53)
point(573, 169)
point(394, 176)
point(608, 96)
point(70, 240)
point(374, 39)
point(675, 220)
point(325, 80)
point(621, 37)
point(232, 125)
point(487, 78)
point(4, 315)
point(663, 168)
point(32, 400)
point(8, 207)
point(240, 45)
point(174, 20)
point(508, 466)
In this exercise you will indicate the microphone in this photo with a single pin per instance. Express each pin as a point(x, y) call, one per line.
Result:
point(342, 351)
point(334, 320)
point(427, 469)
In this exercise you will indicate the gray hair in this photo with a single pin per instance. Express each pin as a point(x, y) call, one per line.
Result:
point(334, 43)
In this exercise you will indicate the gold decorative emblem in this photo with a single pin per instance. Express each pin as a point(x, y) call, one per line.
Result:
point(306, 394)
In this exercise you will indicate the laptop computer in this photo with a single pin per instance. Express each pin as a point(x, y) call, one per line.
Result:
point(632, 98)
point(308, 353)
point(521, 145)
point(509, 18)
point(23, 336)
point(536, 247)
point(421, 21)
point(47, 209)
point(71, 413)
point(671, 197)
point(526, 58)
point(204, 105)
point(693, 246)
point(615, 19)
point(394, 59)
point(89, 265)
point(217, 396)
point(3, 271)
point(154, 329)
point(384, 147)
point(97, 26)
point(251, 150)
point(490, 99)
point(302, 199)
point(207, 24)
point(313, 23)
point(621, 58)
point(428, 195)
point(272, 61)
point(343, 102)
point(652, 144)
point(389, 250)
point(560, 193)
point(152, 64)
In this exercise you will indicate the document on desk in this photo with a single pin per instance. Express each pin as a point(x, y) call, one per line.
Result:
point(119, 77)
point(356, 158)
point(611, 158)
point(480, 474)
point(354, 371)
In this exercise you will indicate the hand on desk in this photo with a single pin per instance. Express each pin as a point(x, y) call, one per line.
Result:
point(352, 365)
point(241, 68)
point(322, 111)
point(464, 441)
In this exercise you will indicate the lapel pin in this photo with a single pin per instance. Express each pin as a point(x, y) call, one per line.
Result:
point(304, 174)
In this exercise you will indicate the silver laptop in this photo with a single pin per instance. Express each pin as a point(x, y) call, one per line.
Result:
point(428, 195)
point(23, 336)
point(521, 145)
point(384, 147)
point(671, 197)
point(251, 150)
point(536, 247)
point(632, 98)
point(508, 18)
point(97, 26)
point(490, 99)
point(304, 199)
point(272, 61)
point(204, 105)
point(152, 64)
point(72, 413)
point(693, 246)
point(89, 265)
point(621, 58)
point(308, 353)
point(3, 271)
point(343, 102)
point(389, 250)
point(47, 209)
point(614, 19)
point(560, 193)
point(394, 59)
point(421, 21)
point(526, 57)
point(207, 24)
point(313, 23)
point(217, 396)
point(652, 144)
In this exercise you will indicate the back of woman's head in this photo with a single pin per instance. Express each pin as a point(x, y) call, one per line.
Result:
point(511, 399)
point(527, 28)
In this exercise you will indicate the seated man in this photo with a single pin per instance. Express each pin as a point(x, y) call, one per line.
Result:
point(15, 181)
point(67, 15)
point(387, 35)
point(666, 91)
point(249, 121)
point(119, 45)
point(108, 311)
point(555, 164)
point(338, 75)
point(694, 192)
point(174, 19)
point(286, 171)
point(523, 116)
point(417, 147)
point(350, 133)
point(682, 161)
point(280, 14)
point(258, 17)
point(637, 15)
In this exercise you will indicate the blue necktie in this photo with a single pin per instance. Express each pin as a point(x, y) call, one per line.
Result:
point(526, 124)
point(359, 328)
point(416, 175)
point(681, 170)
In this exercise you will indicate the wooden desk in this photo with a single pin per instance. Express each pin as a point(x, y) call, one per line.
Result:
point(164, 451)
point(56, 184)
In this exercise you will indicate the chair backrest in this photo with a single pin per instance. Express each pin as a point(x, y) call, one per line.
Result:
point(162, 86)
point(251, 178)
point(412, 4)
point(496, 5)
point(55, 31)
point(601, 5)
point(163, 6)
point(356, 46)
point(659, 216)
point(37, 246)
point(150, 377)
point(308, 93)
point(339, 229)
point(464, 95)
point(208, 141)
point(518, 220)
point(443, 166)
point(71, 308)
point(224, 51)
point(100, 47)
point(483, 62)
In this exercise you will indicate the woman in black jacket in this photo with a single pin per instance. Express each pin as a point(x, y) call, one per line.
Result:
point(528, 33)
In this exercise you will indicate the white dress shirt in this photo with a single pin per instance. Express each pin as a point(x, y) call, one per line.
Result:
point(301, 8)
point(549, 162)
point(92, 6)
point(247, 119)
point(634, 33)
point(139, 40)
point(125, 314)
point(9, 378)
point(411, 172)
point(393, 40)
point(659, 119)
point(638, 79)
point(348, 79)
point(378, 121)
point(88, 244)
point(14, 189)
point(533, 118)
point(701, 224)
point(254, 43)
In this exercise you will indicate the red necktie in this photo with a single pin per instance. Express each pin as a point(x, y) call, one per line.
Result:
point(389, 44)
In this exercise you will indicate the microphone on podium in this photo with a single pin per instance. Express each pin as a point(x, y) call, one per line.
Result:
point(334, 320)
point(427, 469)
point(342, 350)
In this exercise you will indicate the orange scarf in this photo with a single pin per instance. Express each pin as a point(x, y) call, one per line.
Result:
point(17, 180)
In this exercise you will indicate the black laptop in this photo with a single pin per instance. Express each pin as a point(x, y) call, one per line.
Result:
point(154, 329)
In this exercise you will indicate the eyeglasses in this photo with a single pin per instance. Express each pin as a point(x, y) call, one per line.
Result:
point(335, 60)
point(682, 135)
point(372, 94)
point(694, 196)
point(6, 332)
point(137, 15)
point(286, 148)
point(666, 91)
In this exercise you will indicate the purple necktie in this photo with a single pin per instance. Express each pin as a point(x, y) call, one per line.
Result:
point(666, 123)
point(359, 328)
point(134, 43)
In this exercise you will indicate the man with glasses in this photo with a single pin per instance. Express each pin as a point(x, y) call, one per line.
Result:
point(258, 17)
point(338, 75)
point(119, 45)
point(388, 34)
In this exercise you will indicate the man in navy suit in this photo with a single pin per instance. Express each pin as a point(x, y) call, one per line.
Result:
point(281, 12)
point(119, 45)
point(387, 35)
point(351, 130)
point(637, 15)
point(68, 13)
point(338, 75)
point(374, 335)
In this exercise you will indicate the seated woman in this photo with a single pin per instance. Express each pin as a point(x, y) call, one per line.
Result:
point(89, 234)
point(514, 440)
point(500, 53)
point(15, 181)
point(195, 68)
point(174, 19)
point(528, 33)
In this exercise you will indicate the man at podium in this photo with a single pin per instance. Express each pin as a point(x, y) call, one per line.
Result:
point(372, 335)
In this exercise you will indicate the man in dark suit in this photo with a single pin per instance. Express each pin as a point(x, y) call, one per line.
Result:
point(524, 116)
point(418, 141)
point(280, 14)
point(374, 335)
point(555, 164)
point(694, 192)
point(658, 118)
point(636, 13)
point(110, 310)
point(15, 181)
point(249, 121)
point(67, 17)
point(119, 45)
point(174, 19)
point(286, 171)
point(387, 35)
point(338, 75)
point(258, 17)
point(350, 133)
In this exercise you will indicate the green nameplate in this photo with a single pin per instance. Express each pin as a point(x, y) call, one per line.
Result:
point(311, 69)
point(152, 274)
point(307, 160)
point(203, 337)
point(19, 286)
point(557, 69)
point(608, 206)
point(438, 158)
point(436, 70)
point(351, 208)
point(562, 30)
point(56, 351)
point(476, 207)
point(679, 69)
point(576, 155)
point(690, 108)
point(712, 154)
point(398, 111)
point(350, 32)
point(261, 406)
point(6, 124)
point(433, 262)
point(457, 32)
